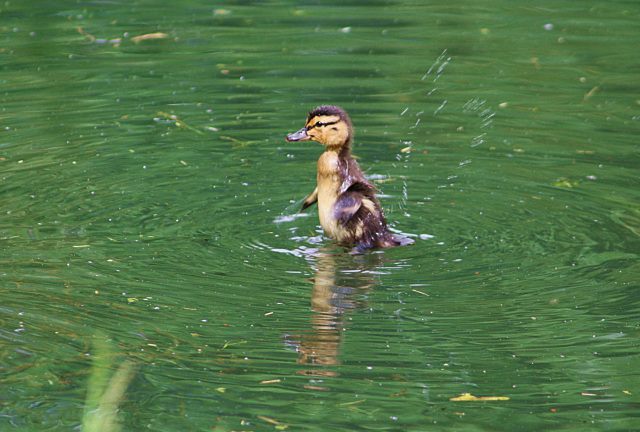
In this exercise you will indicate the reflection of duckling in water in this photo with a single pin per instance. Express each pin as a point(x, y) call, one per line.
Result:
point(341, 285)
point(348, 209)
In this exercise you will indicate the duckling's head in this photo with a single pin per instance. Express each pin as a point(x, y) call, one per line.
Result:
point(328, 125)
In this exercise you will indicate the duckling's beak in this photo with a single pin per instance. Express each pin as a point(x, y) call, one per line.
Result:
point(301, 135)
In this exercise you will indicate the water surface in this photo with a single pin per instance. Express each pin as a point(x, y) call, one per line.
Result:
point(150, 230)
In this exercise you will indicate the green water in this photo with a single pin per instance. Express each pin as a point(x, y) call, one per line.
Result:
point(149, 224)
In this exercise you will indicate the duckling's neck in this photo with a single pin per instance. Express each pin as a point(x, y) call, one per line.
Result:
point(342, 150)
point(331, 161)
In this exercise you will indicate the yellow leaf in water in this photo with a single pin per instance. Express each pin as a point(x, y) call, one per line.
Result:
point(269, 420)
point(399, 393)
point(352, 403)
point(420, 292)
point(468, 397)
point(150, 36)
point(271, 381)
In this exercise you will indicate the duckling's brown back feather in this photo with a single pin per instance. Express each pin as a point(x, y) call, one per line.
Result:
point(360, 213)
point(358, 209)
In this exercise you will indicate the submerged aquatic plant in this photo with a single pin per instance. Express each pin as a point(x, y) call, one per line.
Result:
point(105, 391)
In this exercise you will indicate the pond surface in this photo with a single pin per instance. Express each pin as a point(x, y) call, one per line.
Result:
point(153, 261)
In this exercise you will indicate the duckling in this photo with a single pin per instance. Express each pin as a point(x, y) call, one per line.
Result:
point(348, 210)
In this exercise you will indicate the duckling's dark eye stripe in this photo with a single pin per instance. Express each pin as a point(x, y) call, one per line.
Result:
point(319, 124)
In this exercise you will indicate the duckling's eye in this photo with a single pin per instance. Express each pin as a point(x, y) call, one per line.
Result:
point(321, 124)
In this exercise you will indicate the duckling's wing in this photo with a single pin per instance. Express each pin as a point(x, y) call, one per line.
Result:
point(310, 200)
point(361, 214)
point(358, 200)
point(347, 205)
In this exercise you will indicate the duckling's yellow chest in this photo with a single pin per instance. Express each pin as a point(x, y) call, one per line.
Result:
point(329, 188)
